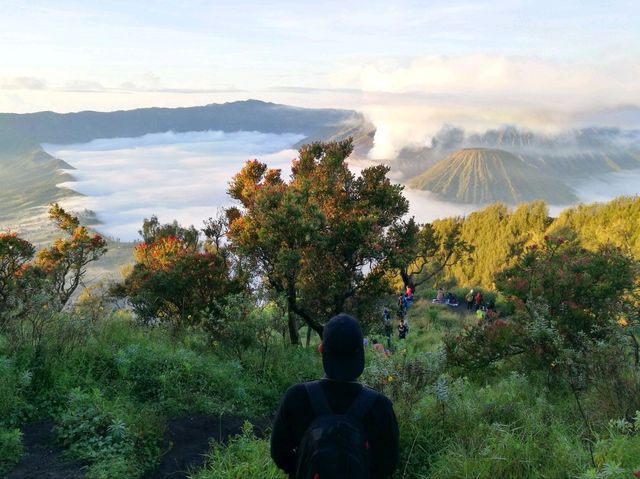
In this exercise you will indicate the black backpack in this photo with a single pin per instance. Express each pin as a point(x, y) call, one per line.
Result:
point(335, 446)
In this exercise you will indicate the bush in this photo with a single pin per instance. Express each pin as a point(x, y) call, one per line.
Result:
point(243, 456)
point(10, 448)
point(617, 452)
point(107, 436)
point(508, 429)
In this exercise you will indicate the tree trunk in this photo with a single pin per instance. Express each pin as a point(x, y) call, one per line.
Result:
point(407, 279)
point(294, 335)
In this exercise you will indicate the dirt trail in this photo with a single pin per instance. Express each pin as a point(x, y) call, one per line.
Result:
point(186, 441)
point(42, 458)
point(191, 435)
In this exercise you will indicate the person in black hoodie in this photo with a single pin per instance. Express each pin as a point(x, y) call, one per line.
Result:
point(343, 362)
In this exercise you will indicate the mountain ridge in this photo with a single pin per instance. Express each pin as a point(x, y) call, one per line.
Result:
point(17, 130)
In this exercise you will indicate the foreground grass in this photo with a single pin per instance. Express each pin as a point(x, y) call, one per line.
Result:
point(110, 394)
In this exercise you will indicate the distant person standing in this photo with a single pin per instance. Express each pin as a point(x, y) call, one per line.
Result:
point(336, 427)
point(469, 298)
point(402, 306)
point(477, 302)
point(388, 327)
point(403, 329)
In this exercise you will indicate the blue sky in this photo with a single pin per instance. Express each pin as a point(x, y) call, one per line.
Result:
point(384, 58)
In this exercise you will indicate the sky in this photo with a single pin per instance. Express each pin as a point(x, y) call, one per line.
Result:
point(411, 66)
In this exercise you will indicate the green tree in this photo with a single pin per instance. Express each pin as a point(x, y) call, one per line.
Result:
point(65, 262)
point(152, 230)
point(175, 280)
point(15, 253)
point(423, 252)
point(33, 291)
point(570, 303)
point(322, 238)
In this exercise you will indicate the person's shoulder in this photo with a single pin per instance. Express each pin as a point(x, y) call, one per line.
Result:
point(295, 392)
point(381, 402)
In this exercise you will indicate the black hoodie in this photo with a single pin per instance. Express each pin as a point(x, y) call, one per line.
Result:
point(295, 415)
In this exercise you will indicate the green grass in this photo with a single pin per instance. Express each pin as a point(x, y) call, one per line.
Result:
point(111, 394)
point(10, 448)
point(243, 456)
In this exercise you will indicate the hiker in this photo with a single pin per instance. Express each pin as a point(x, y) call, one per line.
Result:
point(409, 293)
point(469, 299)
point(440, 295)
point(388, 327)
point(325, 426)
point(402, 307)
point(408, 296)
point(378, 347)
point(477, 301)
point(403, 328)
point(481, 313)
point(407, 301)
point(451, 299)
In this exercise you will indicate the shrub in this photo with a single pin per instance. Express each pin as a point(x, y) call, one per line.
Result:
point(10, 448)
point(508, 429)
point(243, 456)
point(106, 436)
point(15, 383)
point(617, 451)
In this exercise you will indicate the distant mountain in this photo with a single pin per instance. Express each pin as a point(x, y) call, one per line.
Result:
point(29, 179)
point(29, 176)
point(18, 130)
point(569, 155)
point(486, 175)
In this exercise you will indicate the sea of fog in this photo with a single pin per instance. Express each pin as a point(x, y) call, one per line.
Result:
point(184, 176)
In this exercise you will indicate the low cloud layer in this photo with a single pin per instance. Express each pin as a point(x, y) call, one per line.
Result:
point(409, 102)
point(175, 176)
point(184, 176)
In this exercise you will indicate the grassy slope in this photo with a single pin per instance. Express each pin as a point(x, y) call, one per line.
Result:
point(29, 180)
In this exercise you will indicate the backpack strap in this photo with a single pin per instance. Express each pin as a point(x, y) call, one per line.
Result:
point(362, 403)
point(317, 398)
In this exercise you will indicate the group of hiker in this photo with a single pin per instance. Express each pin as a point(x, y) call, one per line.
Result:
point(447, 298)
point(476, 304)
point(403, 304)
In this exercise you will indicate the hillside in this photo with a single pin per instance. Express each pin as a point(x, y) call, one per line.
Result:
point(484, 175)
point(29, 179)
point(251, 115)
point(29, 176)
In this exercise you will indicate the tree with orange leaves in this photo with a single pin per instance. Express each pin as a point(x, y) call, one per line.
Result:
point(320, 239)
point(65, 262)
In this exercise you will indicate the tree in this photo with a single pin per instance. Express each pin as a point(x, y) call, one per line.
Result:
point(65, 263)
point(322, 238)
point(33, 292)
point(175, 280)
point(570, 303)
point(424, 252)
point(15, 253)
point(152, 230)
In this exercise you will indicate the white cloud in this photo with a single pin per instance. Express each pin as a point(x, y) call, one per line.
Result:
point(181, 176)
point(23, 83)
point(408, 102)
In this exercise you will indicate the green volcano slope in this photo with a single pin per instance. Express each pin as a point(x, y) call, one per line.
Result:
point(483, 175)
point(29, 179)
